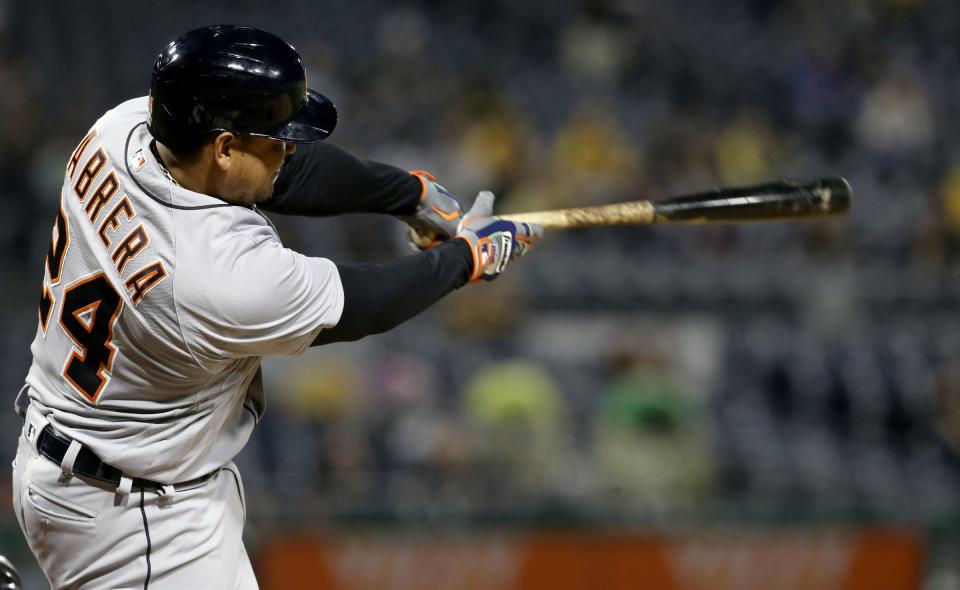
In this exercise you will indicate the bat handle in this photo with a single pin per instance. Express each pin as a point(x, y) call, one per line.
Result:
point(632, 213)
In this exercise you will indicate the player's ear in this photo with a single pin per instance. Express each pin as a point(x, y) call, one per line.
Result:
point(223, 145)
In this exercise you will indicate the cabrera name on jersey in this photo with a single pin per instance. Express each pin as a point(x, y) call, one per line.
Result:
point(156, 307)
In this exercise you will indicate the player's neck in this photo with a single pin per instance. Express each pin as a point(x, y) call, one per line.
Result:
point(192, 175)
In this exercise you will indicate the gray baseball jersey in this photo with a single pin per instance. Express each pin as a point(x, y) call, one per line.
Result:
point(157, 306)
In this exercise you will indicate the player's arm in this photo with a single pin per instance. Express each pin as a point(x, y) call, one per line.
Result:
point(247, 295)
point(378, 297)
point(321, 179)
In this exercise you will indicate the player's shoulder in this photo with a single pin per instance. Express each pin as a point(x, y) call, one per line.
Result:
point(226, 243)
point(215, 242)
point(124, 115)
point(228, 227)
point(236, 271)
point(112, 129)
point(135, 110)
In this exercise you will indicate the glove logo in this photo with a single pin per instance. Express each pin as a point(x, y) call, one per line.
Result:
point(502, 251)
point(447, 216)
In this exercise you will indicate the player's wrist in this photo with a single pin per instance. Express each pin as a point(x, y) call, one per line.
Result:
point(474, 253)
point(437, 214)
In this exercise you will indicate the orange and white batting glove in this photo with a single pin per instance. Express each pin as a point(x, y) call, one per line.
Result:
point(494, 242)
point(437, 217)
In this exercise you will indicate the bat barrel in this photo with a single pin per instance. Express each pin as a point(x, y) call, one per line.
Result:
point(785, 199)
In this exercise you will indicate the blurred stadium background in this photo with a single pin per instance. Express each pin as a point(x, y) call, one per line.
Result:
point(761, 406)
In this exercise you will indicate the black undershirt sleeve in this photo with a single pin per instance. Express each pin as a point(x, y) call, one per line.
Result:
point(321, 179)
point(379, 297)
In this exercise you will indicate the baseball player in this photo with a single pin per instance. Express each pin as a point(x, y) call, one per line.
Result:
point(165, 285)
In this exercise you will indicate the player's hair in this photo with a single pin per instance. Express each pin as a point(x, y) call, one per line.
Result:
point(188, 152)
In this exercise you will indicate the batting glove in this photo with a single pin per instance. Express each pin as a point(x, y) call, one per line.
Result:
point(437, 216)
point(494, 242)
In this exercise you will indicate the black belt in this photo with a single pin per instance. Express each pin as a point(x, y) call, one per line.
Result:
point(53, 445)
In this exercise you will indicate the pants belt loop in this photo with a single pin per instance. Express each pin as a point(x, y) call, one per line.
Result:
point(20, 402)
point(66, 465)
point(126, 484)
point(167, 493)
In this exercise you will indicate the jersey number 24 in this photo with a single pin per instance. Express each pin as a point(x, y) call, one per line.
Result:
point(88, 315)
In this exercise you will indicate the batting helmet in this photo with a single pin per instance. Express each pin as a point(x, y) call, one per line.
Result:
point(237, 79)
point(9, 578)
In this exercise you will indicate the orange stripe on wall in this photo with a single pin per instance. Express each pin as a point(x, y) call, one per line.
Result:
point(711, 560)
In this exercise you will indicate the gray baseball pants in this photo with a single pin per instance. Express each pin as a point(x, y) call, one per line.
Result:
point(86, 535)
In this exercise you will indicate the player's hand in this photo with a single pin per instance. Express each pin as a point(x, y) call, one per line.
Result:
point(495, 242)
point(437, 216)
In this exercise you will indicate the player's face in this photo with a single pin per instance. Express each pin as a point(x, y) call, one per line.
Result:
point(254, 166)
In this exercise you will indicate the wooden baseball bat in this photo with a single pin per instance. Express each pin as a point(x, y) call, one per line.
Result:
point(785, 199)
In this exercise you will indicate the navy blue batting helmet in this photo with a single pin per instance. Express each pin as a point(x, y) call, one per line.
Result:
point(237, 79)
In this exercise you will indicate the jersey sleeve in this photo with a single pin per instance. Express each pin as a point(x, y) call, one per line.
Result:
point(263, 300)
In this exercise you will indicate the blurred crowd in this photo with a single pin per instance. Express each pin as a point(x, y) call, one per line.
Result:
point(775, 370)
